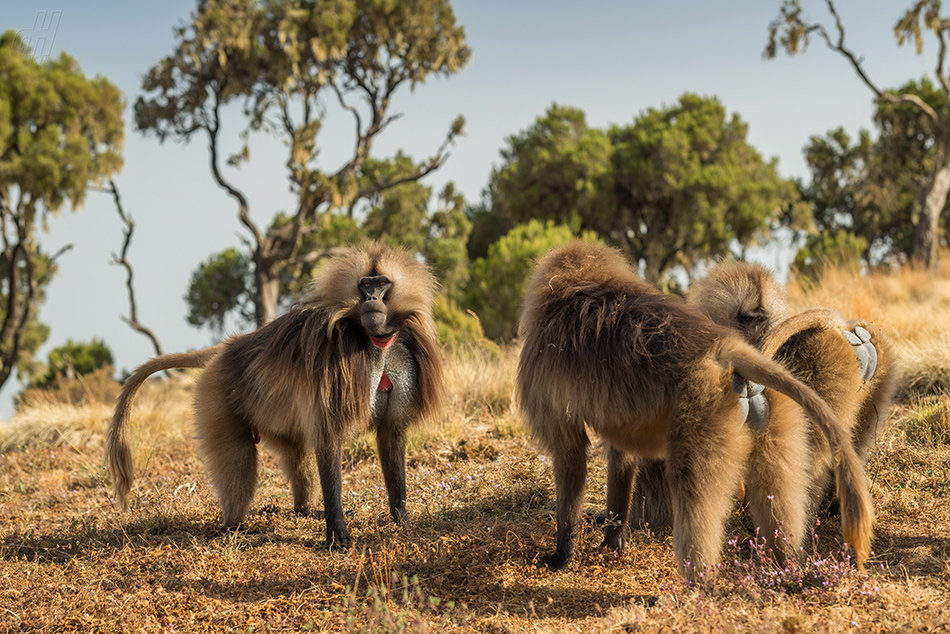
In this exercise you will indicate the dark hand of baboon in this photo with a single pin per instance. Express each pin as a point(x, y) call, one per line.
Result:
point(359, 352)
point(604, 350)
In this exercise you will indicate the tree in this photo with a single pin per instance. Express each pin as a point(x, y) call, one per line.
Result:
point(285, 61)
point(690, 188)
point(558, 169)
point(59, 133)
point(220, 287)
point(872, 188)
point(791, 31)
point(123, 260)
point(677, 186)
point(73, 359)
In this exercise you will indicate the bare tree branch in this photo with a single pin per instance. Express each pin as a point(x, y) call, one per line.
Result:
point(941, 56)
point(132, 320)
point(356, 116)
point(243, 210)
point(434, 163)
point(856, 64)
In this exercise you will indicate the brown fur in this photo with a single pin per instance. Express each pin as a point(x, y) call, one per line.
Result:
point(811, 346)
point(304, 384)
point(604, 350)
point(747, 297)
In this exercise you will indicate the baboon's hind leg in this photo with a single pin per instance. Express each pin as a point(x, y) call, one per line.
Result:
point(227, 446)
point(779, 480)
point(299, 465)
point(230, 457)
point(650, 506)
point(570, 476)
point(704, 466)
point(622, 471)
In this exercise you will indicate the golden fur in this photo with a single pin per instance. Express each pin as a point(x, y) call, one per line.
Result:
point(811, 345)
point(304, 384)
point(605, 351)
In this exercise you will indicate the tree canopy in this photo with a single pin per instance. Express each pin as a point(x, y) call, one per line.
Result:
point(678, 186)
point(60, 132)
point(871, 187)
point(499, 280)
point(284, 63)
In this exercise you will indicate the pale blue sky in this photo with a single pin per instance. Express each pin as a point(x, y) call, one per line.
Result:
point(611, 58)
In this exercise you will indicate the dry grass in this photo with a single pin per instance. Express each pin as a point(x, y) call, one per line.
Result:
point(910, 306)
point(481, 502)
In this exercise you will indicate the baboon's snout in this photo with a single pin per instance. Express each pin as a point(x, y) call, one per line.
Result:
point(373, 317)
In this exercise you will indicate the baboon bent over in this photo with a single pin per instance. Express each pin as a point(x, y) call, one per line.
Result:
point(605, 350)
point(358, 352)
point(848, 363)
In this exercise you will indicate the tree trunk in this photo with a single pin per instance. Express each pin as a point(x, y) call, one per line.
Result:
point(926, 242)
point(266, 293)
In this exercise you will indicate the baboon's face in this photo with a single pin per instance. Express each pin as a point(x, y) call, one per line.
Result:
point(374, 311)
point(752, 320)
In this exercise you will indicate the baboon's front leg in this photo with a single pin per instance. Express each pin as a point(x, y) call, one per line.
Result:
point(391, 443)
point(570, 476)
point(331, 481)
point(622, 471)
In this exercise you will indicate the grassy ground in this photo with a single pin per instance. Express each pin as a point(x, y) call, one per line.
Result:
point(481, 500)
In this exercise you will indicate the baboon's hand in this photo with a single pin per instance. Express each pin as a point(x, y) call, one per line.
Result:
point(555, 562)
point(399, 514)
point(614, 537)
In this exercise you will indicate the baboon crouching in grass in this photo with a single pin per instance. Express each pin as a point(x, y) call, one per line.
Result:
point(359, 352)
point(605, 350)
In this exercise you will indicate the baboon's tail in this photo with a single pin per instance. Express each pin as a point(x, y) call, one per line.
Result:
point(118, 456)
point(857, 510)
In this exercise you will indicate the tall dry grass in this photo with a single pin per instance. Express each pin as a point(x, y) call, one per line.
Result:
point(57, 417)
point(909, 304)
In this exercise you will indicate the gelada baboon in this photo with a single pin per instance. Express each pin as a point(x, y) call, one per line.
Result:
point(358, 352)
point(848, 363)
point(605, 350)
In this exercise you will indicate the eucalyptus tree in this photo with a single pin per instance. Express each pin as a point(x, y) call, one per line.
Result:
point(791, 31)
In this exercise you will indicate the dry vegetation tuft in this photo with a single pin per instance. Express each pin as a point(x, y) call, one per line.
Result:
point(481, 500)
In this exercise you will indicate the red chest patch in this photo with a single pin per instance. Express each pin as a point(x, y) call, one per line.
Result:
point(385, 385)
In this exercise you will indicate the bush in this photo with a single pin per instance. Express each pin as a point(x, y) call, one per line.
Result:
point(72, 360)
point(840, 250)
point(498, 281)
point(455, 325)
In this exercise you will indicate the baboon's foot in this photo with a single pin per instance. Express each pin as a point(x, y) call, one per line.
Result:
point(399, 514)
point(306, 511)
point(556, 561)
point(614, 537)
